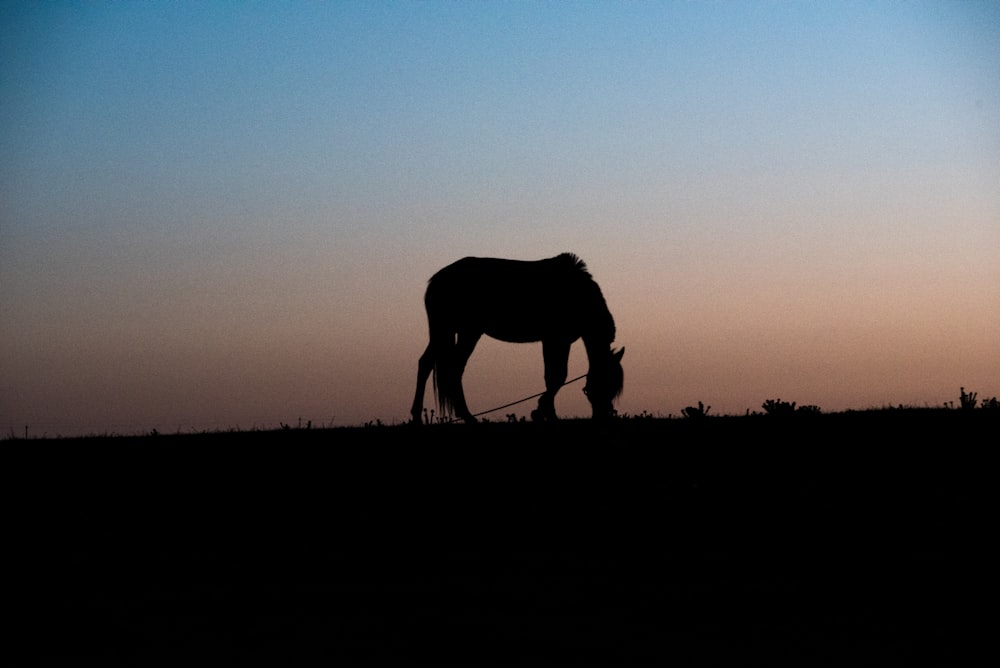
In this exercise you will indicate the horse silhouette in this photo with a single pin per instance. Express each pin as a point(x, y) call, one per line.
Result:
point(555, 301)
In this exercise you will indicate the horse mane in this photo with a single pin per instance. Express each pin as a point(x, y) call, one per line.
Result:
point(573, 264)
point(572, 260)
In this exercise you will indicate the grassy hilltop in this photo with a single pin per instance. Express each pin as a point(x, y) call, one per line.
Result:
point(858, 537)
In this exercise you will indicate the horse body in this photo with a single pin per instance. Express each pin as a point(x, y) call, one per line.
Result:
point(555, 301)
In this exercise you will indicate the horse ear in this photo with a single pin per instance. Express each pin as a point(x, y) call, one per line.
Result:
point(618, 355)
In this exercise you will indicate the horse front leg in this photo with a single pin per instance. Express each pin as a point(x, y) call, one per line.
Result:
point(556, 357)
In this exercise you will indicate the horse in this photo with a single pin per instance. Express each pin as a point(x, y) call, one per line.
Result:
point(555, 301)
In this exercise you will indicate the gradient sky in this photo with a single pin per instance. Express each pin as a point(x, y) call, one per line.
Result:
point(219, 214)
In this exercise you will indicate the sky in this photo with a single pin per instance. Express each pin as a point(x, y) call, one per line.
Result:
point(223, 215)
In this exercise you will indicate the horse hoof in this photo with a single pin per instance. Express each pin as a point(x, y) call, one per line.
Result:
point(543, 416)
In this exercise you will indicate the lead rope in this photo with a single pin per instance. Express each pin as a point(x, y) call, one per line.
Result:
point(519, 401)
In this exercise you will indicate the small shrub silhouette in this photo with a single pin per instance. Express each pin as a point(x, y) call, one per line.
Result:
point(695, 413)
point(968, 401)
point(778, 407)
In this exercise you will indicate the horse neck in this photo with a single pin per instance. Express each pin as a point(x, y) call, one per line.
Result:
point(599, 332)
point(597, 346)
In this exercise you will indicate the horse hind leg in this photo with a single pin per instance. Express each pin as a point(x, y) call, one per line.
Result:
point(463, 350)
point(424, 368)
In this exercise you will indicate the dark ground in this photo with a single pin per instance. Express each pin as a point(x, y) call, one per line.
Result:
point(850, 539)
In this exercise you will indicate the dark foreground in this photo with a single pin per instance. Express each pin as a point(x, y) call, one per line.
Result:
point(851, 539)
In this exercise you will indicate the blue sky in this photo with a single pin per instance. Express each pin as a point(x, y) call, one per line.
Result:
point(221, 213)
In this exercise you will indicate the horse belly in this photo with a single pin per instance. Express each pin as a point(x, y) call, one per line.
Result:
point(530, 325)
point(511, 335)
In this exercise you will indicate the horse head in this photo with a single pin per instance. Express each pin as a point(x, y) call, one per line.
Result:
point(604, 383)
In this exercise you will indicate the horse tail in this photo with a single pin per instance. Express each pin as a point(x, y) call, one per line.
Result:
point(443, 350)
point(445, 374)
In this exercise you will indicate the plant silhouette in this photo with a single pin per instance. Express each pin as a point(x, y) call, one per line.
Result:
point(694, 412)
point(555, 301)
point(968, 401)
point(778, 407)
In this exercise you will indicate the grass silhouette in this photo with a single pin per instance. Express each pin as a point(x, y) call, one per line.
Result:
point(745, 539)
